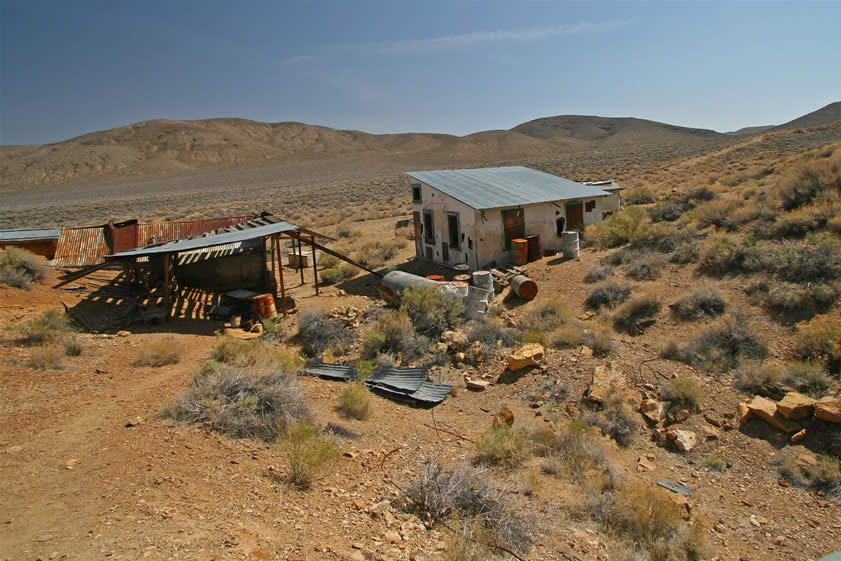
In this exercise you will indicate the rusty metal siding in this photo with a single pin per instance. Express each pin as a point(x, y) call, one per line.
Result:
point(160, 232)
point(79, 247)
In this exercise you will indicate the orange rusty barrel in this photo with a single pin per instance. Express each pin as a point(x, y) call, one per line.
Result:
point(524, 287)
point(520, 249)
point(535, 252)
point(265, 306)
point(439, 278)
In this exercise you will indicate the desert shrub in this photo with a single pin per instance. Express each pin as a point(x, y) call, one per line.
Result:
point(599, 337)
point(616, 419)
point(757, 378)
point(252, 402)
point(648, 520)
point(608, 294)
point(666, 212)
point(646, 267)
point(800, 186)
point(466, 495)
point(797, 223)
point(703, 302)
point(687, 252)
point(820, 340)
point(637, 314)
point(48, 357)
point(345, 232)
point(807, 377)
point(375, 254)
point(809, 264)
point(701, 194)
point(355, 401)
point(725, 256)
point(565, 337)
point(319, 333)
point(20, 268)
point(337, 274)
point(49, 327)
point(364, 368)
point(308, 452)
point(159, 352)
point(491, 334)
point(800, 302)
point(392, 334)
point(503, 446)
point(683, 390)
point(546, 315)
point(625, 226)
point(432, 311)
point(825, 474)
point(722, 346)
point(712, 213)
point(638, 196)
point(71, 347)
point(597, 273)
point(325, 260)
point(535, 336)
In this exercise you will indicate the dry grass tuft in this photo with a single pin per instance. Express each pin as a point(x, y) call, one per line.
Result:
point(683, 390)
point(48, 357)
point(159, 352)
point(355, 401)
point(503, 445)
point(308, 453)
point(20, 268)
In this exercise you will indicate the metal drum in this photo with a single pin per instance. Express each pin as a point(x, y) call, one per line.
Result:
point(535, 251)
point(520, 250)
point(569, 243)
point(265, 306)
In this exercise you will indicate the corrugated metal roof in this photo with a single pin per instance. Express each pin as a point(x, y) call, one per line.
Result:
point(232, 234)
point(485, 188)
point(431, 393)
point(79, 247)
point(331, 371)
point(175, 230)
point(29, 234)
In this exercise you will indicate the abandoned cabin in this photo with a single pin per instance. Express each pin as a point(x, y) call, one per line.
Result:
point(471, 215)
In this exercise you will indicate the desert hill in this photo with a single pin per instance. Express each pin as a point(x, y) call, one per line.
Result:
point(751, 130)
point(823, 116)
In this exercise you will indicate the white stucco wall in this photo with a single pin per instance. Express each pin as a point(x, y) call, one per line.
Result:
point(484, 228)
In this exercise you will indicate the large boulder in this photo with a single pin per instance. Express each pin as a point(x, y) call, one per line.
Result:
point(653, 410)
point(683, 440)
point(529, 354)
point(828, 409)
point(609, 381)
point(795, 405)
point(766, 410)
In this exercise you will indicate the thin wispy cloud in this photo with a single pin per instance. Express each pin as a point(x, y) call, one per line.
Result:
point(478, 37)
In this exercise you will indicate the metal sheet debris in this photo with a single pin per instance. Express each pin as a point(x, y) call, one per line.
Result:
point(330, 371)
point(407, 385)
point(674, 487)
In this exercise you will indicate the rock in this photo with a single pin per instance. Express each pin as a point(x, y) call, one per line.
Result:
point(644, 464)
point(476, 385)
point(744, 412)
point(608, 381)
point(392, 537)
point(713, 420)
point(357, 556)
point(123, 333)
point(780, 540)
point(529, 354)
point(798, 436)
point(681, 415)
point(683, 503)
point(711, 433)
point(134, 422)
point(653, 410)
point(460, 357)
point(828, 409)
point(503, 417)
point(683, 440)
point(795, 405)
point(359, 504)
point(257, 328)
point(71, 463)
point(766, 410)
point(454, 339)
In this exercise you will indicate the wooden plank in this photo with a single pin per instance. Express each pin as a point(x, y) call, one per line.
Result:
point(167, 288)
point(314, 265)
point(83, 273)
point(280, 268)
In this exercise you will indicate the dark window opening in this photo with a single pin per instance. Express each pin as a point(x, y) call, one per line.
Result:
point(560, 223)
point(428, 227)
point(454, 229)
point(590, 206)
point(416, 193)
point(469, 243)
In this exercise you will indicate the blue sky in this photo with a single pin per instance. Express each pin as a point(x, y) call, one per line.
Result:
point(71, 67)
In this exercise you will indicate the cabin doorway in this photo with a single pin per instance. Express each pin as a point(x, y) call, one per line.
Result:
point(575, 216)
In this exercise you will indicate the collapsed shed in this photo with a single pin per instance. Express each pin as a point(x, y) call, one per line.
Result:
point(40, 241)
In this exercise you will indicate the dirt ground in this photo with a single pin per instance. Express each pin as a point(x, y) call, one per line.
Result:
point(91, 472)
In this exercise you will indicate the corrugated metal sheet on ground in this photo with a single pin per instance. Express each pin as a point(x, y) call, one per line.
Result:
point(228, 236)
point(331, 371)
point(431, 393)
point(485, 188)
point(405, 380)
point(29, 234)
point(80, 247)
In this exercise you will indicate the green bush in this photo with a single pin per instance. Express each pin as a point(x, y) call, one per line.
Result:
point(757, 378)
point(722, 346)
point(799, 187)
point(337, 274)
point(325, 260)
point(807, 377)
point(626, 226)
point(703, 302)
point(503, 445)
point(393, 333)
point(800, 302)
point(683, 390)
point(355, 401)
point(712, 213)
point(637, 314)
point(546, 315)
point(20, 268)
point(432, 311)
point(597, 273)
point(244, 354)
point(666, 212)
point(48, 357)
point(638, 196)
point(608, 294)
point(820, 340)
point(646, 267)
point(616, 419)
point(49, 327)
point(727, 256)
point(375, 254)
point(308, 453)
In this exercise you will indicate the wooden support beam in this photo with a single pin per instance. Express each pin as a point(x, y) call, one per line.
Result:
point(267, 274)
point(167, 287)
point(300, 260)
point(274, 268)
point(314, 266)
point(280, 268)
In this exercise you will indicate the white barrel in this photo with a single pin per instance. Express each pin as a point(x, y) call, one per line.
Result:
point(456, 288)
point(569, 244)
point(485, 281)
point(476, 303)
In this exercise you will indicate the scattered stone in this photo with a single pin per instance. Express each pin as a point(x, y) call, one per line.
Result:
point(392, 537)
point(460, 357)
point(644, 464)
point(681, 415)
point(134, 422)
point(766, 410)
point(476, 385)
point(744, 412)
point(454, 339)
point(795, 405)
point(529, 354)
point(359, 504)
point(503, 417)
point(711, 433)
point(69, 464)
point(713, 420)
point(683, 440)
point(123, 333)
point(653, 410)
point(828, 409)
point(780, 540)
point(798, 436)
point(608, 380)
point(683, 503)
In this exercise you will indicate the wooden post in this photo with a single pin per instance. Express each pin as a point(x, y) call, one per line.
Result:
point(314, 265)
point(266, 272)
point(167, 287)
point(274, 269)
point(280, 268)
point(300, 259)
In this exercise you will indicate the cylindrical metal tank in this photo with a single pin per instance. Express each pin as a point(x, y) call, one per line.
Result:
point(520, 251)
point(395, 282)
point(569, 243)
point(265, 306)
point(524, 287)
point(464, 278)
point(484, 280)
point(535, 252)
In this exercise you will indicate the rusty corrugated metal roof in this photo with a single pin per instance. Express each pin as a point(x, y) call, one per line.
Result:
point(167, 231)
point(80, 247)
